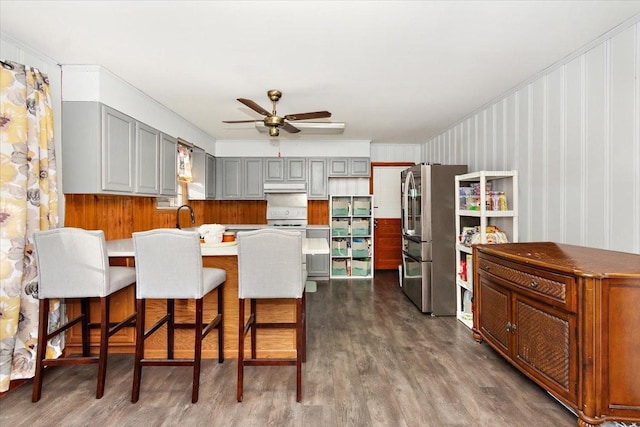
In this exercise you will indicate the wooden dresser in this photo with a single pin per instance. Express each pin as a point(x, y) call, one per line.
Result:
point(568, 317)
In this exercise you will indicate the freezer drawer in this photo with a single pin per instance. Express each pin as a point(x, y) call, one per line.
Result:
point(416, 249)
point(416, 282)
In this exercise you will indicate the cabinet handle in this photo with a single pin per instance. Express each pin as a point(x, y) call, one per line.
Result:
point(508, 326)
point(534, 284)
point(487, 267)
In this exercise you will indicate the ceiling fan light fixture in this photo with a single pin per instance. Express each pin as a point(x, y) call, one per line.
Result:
point(274, 131)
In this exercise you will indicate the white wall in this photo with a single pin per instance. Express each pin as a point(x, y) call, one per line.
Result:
point(573, 133)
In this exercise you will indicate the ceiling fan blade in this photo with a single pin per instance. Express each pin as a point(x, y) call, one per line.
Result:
point(307, 116)
point(255, 107)
point(290, 128)
point(239, 121)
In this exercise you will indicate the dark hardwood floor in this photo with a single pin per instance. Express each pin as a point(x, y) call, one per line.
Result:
point(373, 360)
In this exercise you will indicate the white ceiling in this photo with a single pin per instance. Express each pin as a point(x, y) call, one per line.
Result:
point(394, 71)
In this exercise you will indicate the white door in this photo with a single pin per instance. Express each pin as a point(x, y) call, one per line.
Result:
point(386, 191)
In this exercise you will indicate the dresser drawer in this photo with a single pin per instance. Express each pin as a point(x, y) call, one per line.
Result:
point(543, 285)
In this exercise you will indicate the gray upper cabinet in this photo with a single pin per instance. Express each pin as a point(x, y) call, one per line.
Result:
point(296, 169)
point(210, 181)
point(168, 165)
point(202, 186)
point(285, 169)
point(98, 149)
point(274, 169)
point(252, 180)
point(339, 166)
point(360, 166)
point(239, 178)
point(106, 151)
point(349, 167)
point(228, 178)
point(147, 159)
point(118, 150)
point(317, 182)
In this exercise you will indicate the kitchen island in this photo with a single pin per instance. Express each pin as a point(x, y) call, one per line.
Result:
point(272, 343)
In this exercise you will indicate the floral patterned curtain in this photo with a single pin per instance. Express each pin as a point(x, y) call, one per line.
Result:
point(28, 202)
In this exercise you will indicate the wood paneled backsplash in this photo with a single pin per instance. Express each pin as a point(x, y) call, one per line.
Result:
point(119, 216)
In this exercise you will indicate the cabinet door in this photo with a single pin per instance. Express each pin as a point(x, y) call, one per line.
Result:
point(360, 166)
point(118, 151)
point(210, 177)
point(318, 265)
point(339, 166)
point(545, 345)
point(274, 169)
point(493, 308)
point(252, 179)
point(317, 184)
point(296, 169)
point(147, 159)
point(168, 165)
point(228, 178)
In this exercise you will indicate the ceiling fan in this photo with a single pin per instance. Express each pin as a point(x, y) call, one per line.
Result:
point(274, 122)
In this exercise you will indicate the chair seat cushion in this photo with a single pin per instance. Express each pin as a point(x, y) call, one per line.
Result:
point(212, 278)
point(120, 277)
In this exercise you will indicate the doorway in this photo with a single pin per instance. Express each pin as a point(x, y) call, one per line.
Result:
point(384, 184)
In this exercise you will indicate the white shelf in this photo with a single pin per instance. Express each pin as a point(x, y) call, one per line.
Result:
point(351, 211)
point(465, 318)
point(466, 285)
point(506, 220)
point(463, 248)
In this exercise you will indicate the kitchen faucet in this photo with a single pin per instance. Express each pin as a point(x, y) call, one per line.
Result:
point(193, 217)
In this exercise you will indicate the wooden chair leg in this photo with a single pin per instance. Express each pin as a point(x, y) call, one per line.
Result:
point(304, 327)
point(220, 325)
point(253, 319)
point(104, 345)
point(43, 328)
point(170, 327)
point(85, 309)
point(198, 351)
point(137, 365)
point(240, 349)
point(299, 347)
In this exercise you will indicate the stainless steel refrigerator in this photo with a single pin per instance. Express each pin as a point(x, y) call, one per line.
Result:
point(428, 237)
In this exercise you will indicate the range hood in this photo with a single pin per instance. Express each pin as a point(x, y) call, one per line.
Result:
point(285, 187)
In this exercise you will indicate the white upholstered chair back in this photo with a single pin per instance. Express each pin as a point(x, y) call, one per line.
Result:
point(73, 263)
point(269, 264)
point(168, 264)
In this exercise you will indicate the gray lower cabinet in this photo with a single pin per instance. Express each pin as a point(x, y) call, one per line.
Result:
point(318, 265)
point(349, 167)
point(239, 178)
point(317, 181)
point(106, 151)
point(203, 171)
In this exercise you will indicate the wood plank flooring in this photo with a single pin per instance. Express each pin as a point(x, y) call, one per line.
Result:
point(373, 360)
